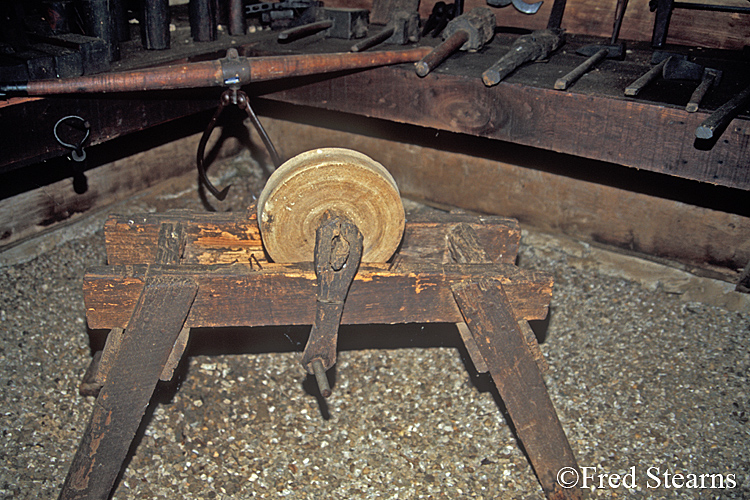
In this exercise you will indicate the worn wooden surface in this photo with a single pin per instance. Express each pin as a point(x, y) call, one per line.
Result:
point(234, 237)
point(31, 212)
point(211, 237)
point(465, 248)
point(30, 124)
point(514, 371)
point(285, 294)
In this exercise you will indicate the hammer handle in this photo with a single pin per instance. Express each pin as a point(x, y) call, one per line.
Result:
point(298, 32)
point(700, 92)
point(567, 80)
point(635, 88)
point(722, 116)
point(442, 52)
point(374, 40)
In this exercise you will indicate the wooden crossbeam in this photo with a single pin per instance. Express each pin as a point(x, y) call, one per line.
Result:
point(278, 294)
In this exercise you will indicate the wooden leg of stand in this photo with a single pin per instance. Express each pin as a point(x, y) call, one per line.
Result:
point(493, 325)
point(152, 331)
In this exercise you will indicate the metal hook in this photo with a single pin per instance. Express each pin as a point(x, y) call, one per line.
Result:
point(219, 195)
point(78, 154)
point(240, 99)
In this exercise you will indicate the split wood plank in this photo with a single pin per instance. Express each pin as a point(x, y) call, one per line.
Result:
point(157, 319)
point(277, 294)
point(466, 248)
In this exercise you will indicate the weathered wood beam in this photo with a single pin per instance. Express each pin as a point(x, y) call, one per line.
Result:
point(526, 110)
point(157, 317)
point(226, 238)
point(238, 295)
point(519, 382)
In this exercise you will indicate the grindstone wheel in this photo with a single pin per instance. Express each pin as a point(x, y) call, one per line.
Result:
point(305, 190)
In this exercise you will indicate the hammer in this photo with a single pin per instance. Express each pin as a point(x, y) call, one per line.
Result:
point(401, 29)
point(467, 32)
point(338, 22)
point(681, 69)
point(597, 53)
point(535, 46)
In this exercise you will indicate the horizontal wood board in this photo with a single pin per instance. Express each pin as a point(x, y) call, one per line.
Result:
point(238, 295)
point(547, 200)
point(227, 238)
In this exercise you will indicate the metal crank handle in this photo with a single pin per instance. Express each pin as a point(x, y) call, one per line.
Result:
point(338, 252)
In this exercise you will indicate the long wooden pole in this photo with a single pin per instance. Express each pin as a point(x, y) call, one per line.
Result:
point(232, 70)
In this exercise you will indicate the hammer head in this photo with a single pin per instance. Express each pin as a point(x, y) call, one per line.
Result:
point(616, 51)
point(682, 69)
point(405, 27)
point(479, 23)
point(348, 23)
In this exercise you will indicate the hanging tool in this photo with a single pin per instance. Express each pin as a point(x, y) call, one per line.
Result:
point(682, 69)
point(597, 53)
point(336, 22)
point(401, 29)
point(83, 128)
point(715, 124)
point(237, 97)
point(520, 5)
point(467, 32)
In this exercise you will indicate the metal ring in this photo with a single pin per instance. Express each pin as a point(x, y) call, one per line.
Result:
point(78, 153)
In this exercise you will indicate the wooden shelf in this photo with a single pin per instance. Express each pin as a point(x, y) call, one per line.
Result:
point(592, 120)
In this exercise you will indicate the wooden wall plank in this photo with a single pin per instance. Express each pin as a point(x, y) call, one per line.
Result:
point(608, 128)
point(548, 201)
point(39, 210)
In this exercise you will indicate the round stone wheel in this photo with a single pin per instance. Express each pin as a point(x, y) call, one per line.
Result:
point(316, 184)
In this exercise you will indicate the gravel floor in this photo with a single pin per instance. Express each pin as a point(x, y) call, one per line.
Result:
point(641, 378)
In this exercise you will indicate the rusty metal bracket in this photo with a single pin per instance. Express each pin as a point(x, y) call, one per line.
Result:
point(338, 251)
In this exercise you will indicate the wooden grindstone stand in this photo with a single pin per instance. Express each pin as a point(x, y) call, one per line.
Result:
point(327, 244)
